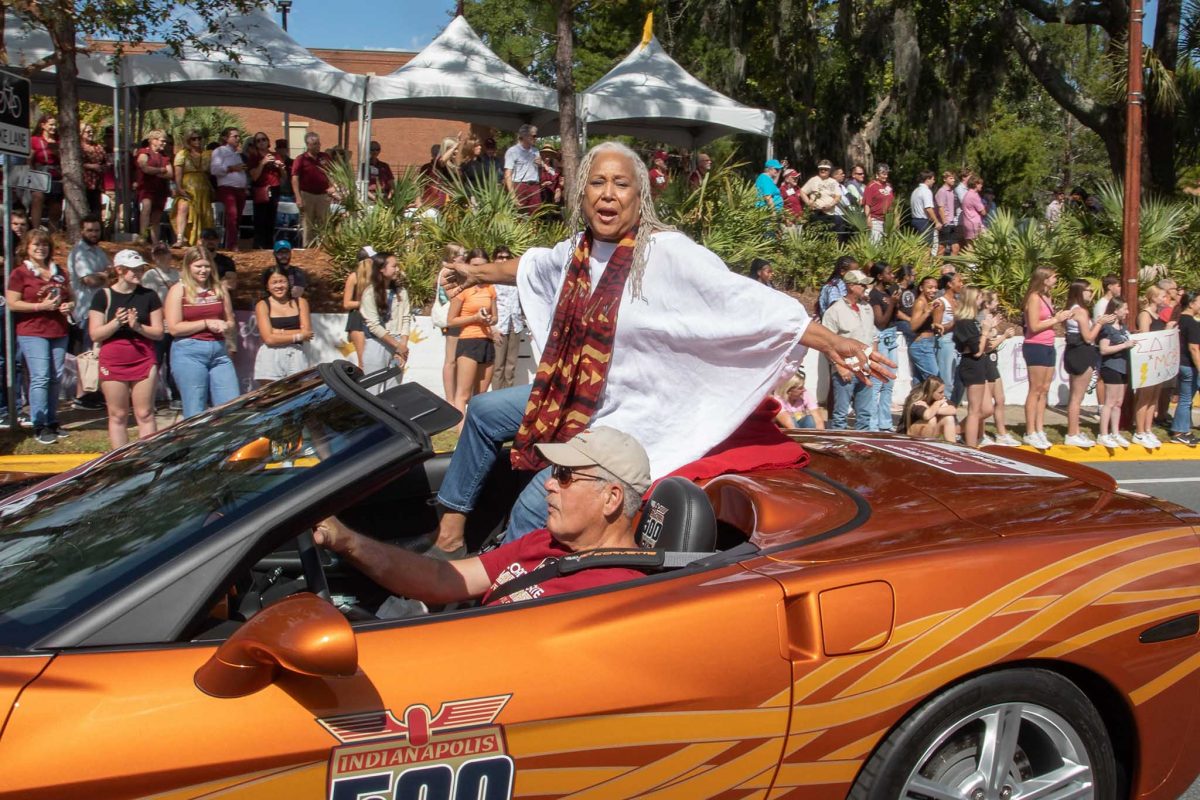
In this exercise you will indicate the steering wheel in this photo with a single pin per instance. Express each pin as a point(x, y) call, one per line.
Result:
point(310, 560)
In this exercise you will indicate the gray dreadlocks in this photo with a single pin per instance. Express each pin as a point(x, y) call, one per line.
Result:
point(647, 225)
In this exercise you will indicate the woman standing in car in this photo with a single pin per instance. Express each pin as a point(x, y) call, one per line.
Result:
point(198, 312)
point(127, 320)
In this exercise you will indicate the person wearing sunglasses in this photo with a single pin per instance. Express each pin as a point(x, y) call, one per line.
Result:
point(193, 197)
point(597, 479)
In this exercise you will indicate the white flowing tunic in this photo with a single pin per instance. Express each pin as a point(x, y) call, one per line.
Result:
point(691, 358)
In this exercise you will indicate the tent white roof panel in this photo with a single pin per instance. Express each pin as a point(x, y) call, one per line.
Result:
point(27, 44)
point(650, 96)
point(272, 71)
point(457, 77)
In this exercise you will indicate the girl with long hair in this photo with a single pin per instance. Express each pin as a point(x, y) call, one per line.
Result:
point(927, 413)
point(285, 325)
point(44, 157)
point(356, 282)
point(39, 298)
point(126, 320)
point(198, 313)
point(453, 254)
point(995, 384)
point(971, 339)
point(1081, 356)
point(1189, 362)
point(387, 314)
point(1038, 349)
point(1145, 399)
point(1115, 345)
point(473, 311)
point(922, 347)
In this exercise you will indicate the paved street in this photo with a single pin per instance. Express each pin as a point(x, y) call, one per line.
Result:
point(1177, 481)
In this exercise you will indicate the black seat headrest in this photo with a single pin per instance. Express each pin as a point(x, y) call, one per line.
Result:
point(678, 517)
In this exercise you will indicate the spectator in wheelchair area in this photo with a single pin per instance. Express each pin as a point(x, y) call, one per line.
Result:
point(594, 491)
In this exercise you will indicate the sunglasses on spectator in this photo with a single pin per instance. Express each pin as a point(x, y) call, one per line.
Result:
point(565, 475)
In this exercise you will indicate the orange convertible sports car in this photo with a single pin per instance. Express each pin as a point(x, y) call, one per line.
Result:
point(900, 620)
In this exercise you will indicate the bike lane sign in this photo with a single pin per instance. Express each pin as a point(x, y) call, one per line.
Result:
point(14, 114)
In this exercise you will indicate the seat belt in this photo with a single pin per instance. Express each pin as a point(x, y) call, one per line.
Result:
point(593, 559)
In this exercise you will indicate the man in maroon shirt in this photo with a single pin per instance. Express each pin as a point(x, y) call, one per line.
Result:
point(658, 173)
point(592, 496)
point(311, 186)
point(877, 199)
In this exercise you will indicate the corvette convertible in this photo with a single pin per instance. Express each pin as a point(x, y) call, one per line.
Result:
point(899, 619)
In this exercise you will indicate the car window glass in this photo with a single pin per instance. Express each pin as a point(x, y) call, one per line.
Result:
point(74, 543)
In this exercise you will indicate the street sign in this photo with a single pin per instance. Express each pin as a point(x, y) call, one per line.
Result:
point(22, 177)
point(14, 114)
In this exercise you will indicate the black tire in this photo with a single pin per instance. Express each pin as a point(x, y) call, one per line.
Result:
point(1057, 724)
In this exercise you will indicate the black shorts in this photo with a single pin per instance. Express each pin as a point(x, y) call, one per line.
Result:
point(1112, 377)
point(1079, 358)
point(991, 366)
point(1038, 355)
point(948, 235)
point(482, 351)
point(354, 321)
point(972, 371)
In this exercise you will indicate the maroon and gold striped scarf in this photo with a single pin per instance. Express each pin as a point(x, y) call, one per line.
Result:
point(574, 365)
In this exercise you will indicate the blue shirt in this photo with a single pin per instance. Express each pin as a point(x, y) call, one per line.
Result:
point(767, 188)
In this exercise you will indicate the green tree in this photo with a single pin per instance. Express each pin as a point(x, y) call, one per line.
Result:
point(128, 22)
point(209, 121)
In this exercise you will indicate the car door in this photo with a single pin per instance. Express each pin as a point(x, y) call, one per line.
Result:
point(668, 687)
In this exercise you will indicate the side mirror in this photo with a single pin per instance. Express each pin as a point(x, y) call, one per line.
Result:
point(250, 454)
point(302, 634)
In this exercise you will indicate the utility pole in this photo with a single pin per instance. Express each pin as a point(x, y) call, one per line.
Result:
point(1130, 265)
point(284, 7)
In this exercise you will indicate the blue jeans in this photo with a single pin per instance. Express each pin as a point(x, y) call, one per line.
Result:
point(493, 418)
point(947, 361)
point(805, 422)
point(44, 359)
point(862, 395)
point(1182, 423)
point(202, 370)
point(922, 354)
point(889, 345)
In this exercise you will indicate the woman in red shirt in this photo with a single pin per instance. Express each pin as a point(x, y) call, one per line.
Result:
point(94, 162)
point(39, 297)
point(265, 170)
point(198, 312)
point(44, 157)
point(154, 184)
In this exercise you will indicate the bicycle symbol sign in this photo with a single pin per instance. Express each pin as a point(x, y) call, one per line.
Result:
point(14, 114)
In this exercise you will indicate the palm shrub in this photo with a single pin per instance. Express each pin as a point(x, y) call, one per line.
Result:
point(806, 257)
point(486, 216)
point(897, 247)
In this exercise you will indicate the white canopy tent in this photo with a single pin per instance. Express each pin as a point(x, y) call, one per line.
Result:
point(457, 77)
point(27, 44)
point(648, 95)
point(272, 71)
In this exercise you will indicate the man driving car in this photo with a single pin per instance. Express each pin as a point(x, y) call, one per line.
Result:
point(594, 491)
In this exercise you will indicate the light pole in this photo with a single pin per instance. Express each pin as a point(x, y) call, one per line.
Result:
point(284, 7)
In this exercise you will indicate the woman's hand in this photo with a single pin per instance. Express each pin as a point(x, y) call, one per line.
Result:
point(1063, 315)
point(66, 308)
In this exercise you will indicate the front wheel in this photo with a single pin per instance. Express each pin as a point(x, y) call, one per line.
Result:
point(1022, 733)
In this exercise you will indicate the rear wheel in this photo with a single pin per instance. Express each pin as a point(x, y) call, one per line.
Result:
point(1026, 733)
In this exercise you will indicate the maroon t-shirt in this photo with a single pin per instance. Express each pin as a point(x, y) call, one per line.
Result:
point(152, 185)
point(44, 324)
point(526, 554)
point(310, 174)
point(877, 199)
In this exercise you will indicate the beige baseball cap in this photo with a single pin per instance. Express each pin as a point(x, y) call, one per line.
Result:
point(857, 276)
point(617, 452)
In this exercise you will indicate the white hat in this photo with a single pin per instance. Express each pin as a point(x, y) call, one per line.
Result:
point(129, 259)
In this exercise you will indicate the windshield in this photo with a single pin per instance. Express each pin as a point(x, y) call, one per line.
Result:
point(70, 545)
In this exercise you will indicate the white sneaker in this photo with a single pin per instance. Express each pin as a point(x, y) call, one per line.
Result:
point(1121, 440)
point(1107, 440)
point(1154, 440)
point(1078, 440)
point(1045, 441)
point(1146, 440)
point(1008, 440)
point(986, 440)
point(1033, 441)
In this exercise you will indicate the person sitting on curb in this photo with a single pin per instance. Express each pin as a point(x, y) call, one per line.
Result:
point(594, 491)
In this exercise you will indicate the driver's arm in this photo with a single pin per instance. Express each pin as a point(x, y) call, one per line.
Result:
point(403, 573)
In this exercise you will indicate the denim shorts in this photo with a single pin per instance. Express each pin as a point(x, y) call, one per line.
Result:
point(1038, 355)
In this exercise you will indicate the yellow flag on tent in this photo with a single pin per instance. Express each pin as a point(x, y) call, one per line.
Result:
point(648, 31)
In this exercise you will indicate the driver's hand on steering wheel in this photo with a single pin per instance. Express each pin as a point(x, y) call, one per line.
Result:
point(332, 535)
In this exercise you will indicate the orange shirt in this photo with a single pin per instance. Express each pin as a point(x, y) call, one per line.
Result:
point(474, 299)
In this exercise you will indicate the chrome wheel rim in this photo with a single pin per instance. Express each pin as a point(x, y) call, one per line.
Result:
point(1010, 751)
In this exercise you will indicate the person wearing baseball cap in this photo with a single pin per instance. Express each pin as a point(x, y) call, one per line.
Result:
point(767, 184)
point(852, 317)
point(126, 320)
point(821, 194)
point(594, 491)
point(283, 259)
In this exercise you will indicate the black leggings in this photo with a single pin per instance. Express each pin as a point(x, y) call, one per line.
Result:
point(264, 221)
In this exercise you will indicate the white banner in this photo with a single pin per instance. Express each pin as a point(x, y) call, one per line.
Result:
point(1154, 358)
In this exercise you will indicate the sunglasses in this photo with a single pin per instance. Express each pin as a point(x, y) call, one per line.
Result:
point(565, 475)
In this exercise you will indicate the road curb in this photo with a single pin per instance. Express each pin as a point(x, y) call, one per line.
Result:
point(1100, 454)
point(49, 464)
